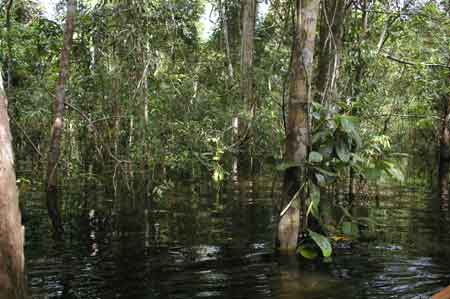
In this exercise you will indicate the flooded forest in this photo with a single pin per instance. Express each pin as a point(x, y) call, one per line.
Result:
point(246, 149)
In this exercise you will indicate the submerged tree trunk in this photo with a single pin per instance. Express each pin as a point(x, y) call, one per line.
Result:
point(12, 261)
point(444, 155)
point(298, 126)
point(57, 128)
point(247, 86)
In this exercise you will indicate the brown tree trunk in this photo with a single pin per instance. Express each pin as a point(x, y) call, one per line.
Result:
point(444, 155)
point(247, 87)
point(298, 124)
point(330, 49)
point(247, 45)
point(58, 123)
point(12, 261)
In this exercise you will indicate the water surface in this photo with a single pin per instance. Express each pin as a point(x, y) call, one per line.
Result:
point(200, 242)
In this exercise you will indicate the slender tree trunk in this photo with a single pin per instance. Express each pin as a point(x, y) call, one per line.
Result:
point(298, 124)
point(12, 260)
point(247, 46)
point(58, 123)
point(247, 85)
point(226, 36)
point(330, 49)
point(8, 53)
point(444, 154)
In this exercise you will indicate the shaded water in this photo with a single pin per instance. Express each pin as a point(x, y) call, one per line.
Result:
point(203, 243)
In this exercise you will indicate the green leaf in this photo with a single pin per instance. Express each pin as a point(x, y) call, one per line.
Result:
point(320, 179)
point(321, 241)
point(307, 252)
point(347, 124)
point(325, 172)
point(315, 201)
point(315, 157)
point(218, 174)
point(286, 165)
point(396, 173)
point(343, 152)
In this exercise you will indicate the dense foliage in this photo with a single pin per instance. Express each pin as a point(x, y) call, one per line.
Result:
point(149, 91)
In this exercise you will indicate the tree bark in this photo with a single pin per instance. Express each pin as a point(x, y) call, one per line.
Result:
point(12, 260)
point(58, 123)
point(247, 45)
point(298, 124)
point(444, 154)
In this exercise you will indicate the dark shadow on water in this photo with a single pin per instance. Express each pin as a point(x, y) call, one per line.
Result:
point(200, 241)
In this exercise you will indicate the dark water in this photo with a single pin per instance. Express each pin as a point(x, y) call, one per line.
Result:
point(203, 243)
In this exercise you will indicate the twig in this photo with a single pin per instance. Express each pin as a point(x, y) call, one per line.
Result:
point(26, 136)
point(399, 60)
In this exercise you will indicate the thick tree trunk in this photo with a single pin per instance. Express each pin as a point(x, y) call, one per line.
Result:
point(444, 155)
point(12, 261)
point(298, 124)
point(58, 123)
point(330, 49)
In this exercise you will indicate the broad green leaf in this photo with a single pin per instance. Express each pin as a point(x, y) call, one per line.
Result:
point(320, 178)
point(315, 157)
point(343, 152)
point(396, 173)
point(347, 124)
point(218, 175)
point(307, 252)
point(321, 241)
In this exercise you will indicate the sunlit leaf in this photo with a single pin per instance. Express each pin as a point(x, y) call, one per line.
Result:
point(396, 173)
point(307, 252)
point(315, 157)
point(321, 241)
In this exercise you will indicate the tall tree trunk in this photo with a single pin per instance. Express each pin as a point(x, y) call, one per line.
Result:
point(247, 84)
point(330, 49)
point(247, 45)
point(298, 124)
point(226, 36)
point(8, 53)
point(58, 123)
point(444, 154)
point(12, 261)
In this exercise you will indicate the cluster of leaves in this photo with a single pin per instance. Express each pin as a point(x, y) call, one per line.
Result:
point(337, 149)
